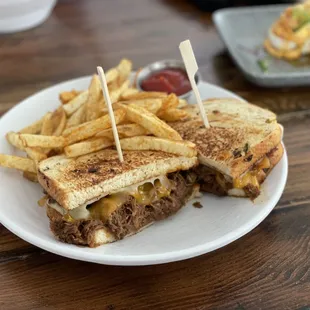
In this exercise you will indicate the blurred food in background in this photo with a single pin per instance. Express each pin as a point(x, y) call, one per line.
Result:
point(289, 36)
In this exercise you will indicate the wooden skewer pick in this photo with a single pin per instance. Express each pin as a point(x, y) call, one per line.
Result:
point(191, 68)
point(106, 95)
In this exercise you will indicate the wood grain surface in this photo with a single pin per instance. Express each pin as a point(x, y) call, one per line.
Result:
point(267, 269)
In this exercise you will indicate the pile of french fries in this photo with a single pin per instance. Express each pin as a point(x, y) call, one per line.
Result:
point(81, 124)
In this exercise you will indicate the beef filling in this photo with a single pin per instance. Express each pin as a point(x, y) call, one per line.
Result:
point(209, 183)
point(251, 191)
point(79, 232)
point(206, 178)
point(130, 217)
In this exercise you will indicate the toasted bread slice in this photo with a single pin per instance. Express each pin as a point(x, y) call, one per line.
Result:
point(240, 134)
point(76, 182)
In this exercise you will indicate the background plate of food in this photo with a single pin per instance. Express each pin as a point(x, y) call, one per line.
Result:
point(67, 124)
point(270, 44)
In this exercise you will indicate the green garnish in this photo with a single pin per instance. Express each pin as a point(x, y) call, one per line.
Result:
point(303, 18)
point(302, 25)
point(246, 147)
point(263, 64)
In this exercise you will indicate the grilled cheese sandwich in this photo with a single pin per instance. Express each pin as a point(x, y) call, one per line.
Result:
point(95, 199)
point(240, 148)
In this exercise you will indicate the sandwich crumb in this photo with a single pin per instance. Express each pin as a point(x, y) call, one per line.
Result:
point(197, 204)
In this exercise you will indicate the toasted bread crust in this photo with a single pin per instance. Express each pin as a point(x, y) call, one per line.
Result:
point(244, 163)
point(74, 182)
point(240, 134)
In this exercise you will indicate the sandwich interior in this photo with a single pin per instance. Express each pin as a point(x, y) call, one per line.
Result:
point(107, 216)
point(247, 185)
point(289, 36)
point(124, 213)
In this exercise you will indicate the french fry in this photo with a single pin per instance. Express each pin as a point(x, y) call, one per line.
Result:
point(112, 75)
point(92, 106)
point(77, 117)
point(170, 102)
point(59, 120)
point(116, 94)
point(89, 129)
point(144, 95)
point(124, 131)
point(42, 141)
point(30, 176)
point(128, 92)
point(76, 103)
point(182, 103)
point(36, 154)
point(34, 128)
point(42, 201)
point(182, 148)
point(150, 122)
point(173, 115)
point(152, 105)
point(47, 126)
point(113, 86)
point(19, 163)
point(67, 96)
point(124, 68)
point(14, 139)
point(88, 146)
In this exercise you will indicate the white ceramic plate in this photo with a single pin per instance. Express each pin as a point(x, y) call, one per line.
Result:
point(189, 233)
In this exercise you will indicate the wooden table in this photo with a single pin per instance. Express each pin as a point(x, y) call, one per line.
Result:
point(267, 269)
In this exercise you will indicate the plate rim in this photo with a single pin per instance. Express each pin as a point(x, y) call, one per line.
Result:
point(149, 259)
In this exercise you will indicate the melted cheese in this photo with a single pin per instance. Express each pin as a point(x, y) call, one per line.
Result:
point(145, 193)
point(246, 179)
point(251, 176)
point(104, 207)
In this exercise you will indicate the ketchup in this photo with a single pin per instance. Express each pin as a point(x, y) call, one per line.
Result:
point(169, 81)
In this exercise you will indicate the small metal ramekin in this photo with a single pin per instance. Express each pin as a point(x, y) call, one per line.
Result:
point(161, 65)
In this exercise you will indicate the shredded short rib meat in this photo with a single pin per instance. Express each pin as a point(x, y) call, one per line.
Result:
point(251, 191)
point(129, 218)
point(207, 180)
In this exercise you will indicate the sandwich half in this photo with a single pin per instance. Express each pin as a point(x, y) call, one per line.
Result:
point(289, 36)
point(237, 152)
point(95, 199)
